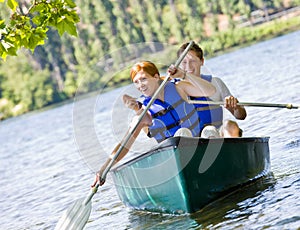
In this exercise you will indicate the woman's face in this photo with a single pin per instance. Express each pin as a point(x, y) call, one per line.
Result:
point(192, 63)
point(146, 83)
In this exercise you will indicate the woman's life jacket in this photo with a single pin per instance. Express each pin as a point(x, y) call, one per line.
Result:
point(171, 114)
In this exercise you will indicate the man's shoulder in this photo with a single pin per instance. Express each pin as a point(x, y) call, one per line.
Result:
point(221, 87)
point(217, 79)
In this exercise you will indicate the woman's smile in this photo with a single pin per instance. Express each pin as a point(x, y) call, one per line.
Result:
point(146, 83)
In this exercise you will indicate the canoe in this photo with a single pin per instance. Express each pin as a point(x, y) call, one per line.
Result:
point(183, 174)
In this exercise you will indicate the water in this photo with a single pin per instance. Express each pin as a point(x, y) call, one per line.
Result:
point(48, 158)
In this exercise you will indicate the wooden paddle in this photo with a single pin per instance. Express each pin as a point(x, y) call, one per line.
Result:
point(287, 106)
point(78, 214)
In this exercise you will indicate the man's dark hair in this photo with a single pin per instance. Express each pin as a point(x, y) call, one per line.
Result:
point(195, 48)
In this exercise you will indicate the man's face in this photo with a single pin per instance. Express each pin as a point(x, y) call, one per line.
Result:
point(191, 63)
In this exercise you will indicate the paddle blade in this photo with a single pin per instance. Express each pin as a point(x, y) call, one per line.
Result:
point(76, 216)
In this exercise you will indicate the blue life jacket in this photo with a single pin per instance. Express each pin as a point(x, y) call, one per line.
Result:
point(170, 115)
point(208, 114)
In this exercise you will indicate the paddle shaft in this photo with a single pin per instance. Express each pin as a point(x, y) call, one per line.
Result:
point(77, 215)
point(257, 104)
point(132, 130)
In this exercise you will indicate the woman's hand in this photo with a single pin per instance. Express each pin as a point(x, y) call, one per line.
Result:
point(130, 102)
point(146, 120)
point(176, 72)
point(99, 175)
point(98, 179)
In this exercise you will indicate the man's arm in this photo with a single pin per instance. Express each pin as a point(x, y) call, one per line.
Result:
point(230, 102)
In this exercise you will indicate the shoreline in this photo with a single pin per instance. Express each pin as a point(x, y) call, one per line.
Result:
point(121, 82)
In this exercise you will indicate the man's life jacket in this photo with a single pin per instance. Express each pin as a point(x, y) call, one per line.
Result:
point(208, 114)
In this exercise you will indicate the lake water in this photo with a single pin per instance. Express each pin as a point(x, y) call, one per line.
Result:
point(48, 158)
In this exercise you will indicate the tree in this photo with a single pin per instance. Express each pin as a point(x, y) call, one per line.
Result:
point(23, 86)
point(28, 24)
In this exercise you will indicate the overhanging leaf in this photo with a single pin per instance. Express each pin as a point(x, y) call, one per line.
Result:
point(12, 4)
point(61, 27)
point(70, 3)
point(2, 24)
point(71, 28)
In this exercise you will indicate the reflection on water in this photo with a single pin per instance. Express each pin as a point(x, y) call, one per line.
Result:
point(228, 210)
point(238, 205)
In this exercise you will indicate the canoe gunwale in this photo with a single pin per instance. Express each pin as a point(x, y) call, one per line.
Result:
point(173, 142)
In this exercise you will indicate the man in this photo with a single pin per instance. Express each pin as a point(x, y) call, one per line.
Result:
point(211, 115)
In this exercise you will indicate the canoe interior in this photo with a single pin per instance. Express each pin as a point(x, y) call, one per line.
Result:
point(182, 175)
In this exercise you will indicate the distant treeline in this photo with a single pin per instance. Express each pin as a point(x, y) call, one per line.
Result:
point(113, 34)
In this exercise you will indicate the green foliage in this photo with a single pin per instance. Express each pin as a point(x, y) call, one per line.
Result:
point(12, 4)
point(24, 87)
point(6, 108)
point(246, 35)
point(295, 2)
point(70, 85)
point(29, 29)
point(110, 36)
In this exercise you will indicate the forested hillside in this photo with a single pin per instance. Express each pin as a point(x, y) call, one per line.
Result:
point(113, 33)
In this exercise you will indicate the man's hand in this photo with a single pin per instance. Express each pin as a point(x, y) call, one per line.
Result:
point(231, 102)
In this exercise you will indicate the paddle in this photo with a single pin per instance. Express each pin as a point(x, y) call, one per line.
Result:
point(287, 106)
point(78, 214)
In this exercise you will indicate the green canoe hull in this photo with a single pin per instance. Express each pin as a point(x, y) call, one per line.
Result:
point(182, 175)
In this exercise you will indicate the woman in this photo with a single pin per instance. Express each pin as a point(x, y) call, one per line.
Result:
point(169, 113)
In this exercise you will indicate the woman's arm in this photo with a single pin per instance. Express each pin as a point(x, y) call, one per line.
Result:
point(146, 121)
point(196, 86)
point(191, 85)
